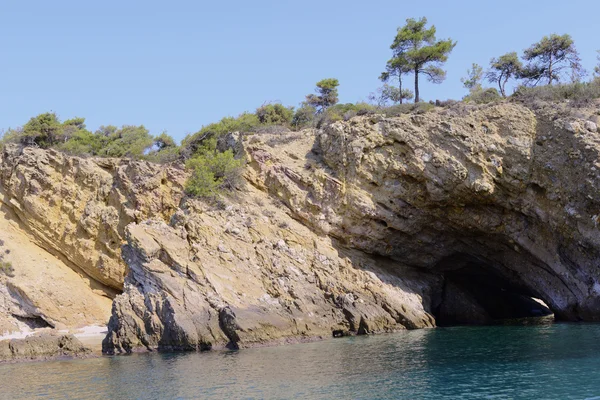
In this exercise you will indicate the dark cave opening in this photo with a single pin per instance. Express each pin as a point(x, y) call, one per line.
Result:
point(475, 293)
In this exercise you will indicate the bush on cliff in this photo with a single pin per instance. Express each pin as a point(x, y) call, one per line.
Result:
point(483, 96)
point(213, 172)
point(274, 114)
point(206, 138)
point(407, 108)
point(304, 116)
point(72, 137)
point(7, 269)
point(43, 130)
point(164, 150)
point(110, 141)
point(577, 93)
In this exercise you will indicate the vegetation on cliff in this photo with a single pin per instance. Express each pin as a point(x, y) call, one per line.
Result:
point(6, 267)
point(539, 74)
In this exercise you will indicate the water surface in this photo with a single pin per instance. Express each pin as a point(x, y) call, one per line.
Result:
point(560, 361)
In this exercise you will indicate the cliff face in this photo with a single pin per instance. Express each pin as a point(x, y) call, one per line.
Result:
point(248, 275)
point(492, 195)
point(62, 224)
point(79, 208)
point(459, 215)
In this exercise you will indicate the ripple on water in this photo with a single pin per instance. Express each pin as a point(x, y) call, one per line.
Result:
point(500, 362)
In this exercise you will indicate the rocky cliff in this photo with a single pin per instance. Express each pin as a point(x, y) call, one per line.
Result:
point(497, 196)
point(62, 227)
point(460, 215)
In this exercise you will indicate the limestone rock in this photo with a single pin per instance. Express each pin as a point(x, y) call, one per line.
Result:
point(78, 208)
point(42, 347)
point(274, 284)
point(42, 290)
point(501, 187)
point(357, 228)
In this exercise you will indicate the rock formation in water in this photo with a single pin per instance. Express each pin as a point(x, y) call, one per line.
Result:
point(42, 347)
point(460, 215)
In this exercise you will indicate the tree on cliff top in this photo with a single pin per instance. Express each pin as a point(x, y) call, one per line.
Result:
point(425, 54)
point(504, 68)
point(397, 66)
point(550, 58)
point(473, 79)
point(387, 93)
point(43, 130)
point(327, 95)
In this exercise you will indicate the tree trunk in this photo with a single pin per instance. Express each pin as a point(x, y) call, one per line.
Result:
point(417, 85)
point(502, 83)
point(400, 84)
point(550, 71)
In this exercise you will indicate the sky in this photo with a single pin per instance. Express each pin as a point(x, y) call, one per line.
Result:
point(178, 65)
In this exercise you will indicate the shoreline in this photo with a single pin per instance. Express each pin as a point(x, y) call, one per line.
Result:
point(92, 336)
point(31, 345)
point(95, 340)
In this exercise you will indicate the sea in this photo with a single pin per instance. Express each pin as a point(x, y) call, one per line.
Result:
point(555, 361)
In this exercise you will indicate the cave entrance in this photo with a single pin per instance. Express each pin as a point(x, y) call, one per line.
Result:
point(475, 293)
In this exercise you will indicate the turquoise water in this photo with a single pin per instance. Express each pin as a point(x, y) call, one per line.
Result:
point(560, 361)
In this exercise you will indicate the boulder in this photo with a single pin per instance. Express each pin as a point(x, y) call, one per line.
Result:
point(43, 347)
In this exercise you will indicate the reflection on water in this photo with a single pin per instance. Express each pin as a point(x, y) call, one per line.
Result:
point(551, 362)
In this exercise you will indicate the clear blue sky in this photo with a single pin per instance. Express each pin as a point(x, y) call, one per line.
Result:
point(177, 65)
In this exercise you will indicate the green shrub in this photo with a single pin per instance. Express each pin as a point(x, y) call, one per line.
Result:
point(128, 141)
point(327, 117)
point(274, 114)
point(164, 150)
point(164, 156)
point(407, 108)
point(83, 142)
point(206, 138)
point(12, 136)
point(578, 92)
point(483, 96)
point(72, 137)
point(213, 172)
point(7, 269)
point(304, 116)
point(43, 130)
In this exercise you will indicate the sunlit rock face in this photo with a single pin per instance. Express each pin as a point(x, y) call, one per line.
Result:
point(460, 215)
point(499, 188)
point(78, 208)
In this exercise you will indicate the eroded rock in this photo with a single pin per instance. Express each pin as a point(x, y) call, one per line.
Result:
point(495, 184)
point(42, 347)
point(358, 228)
point(276, 283)
point(78, 208)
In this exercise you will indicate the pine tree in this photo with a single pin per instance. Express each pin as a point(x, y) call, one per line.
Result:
point(424, 53)
point(504, 68)
point(327, 95)
point(473, 79)
point(550, 58)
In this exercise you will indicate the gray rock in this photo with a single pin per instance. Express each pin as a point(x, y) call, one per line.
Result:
point(591, 126)
point(42, 347)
